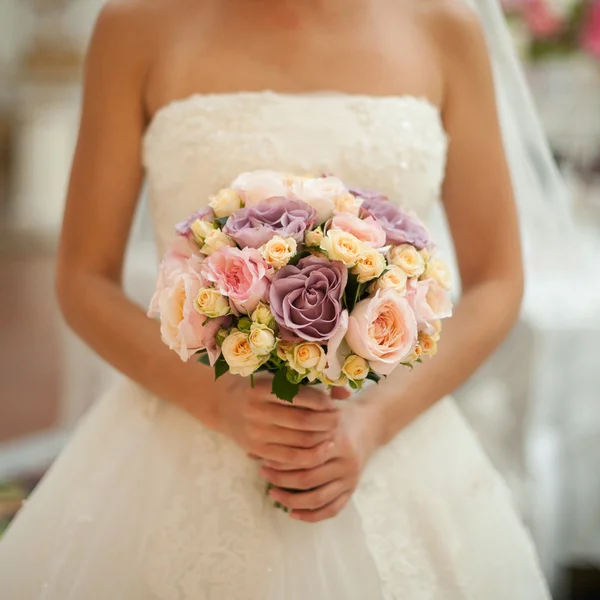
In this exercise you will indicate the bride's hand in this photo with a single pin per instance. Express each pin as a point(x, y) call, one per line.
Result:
point(301, 434)
point(326, 488)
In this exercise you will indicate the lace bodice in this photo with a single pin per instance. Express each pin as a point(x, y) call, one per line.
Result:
point(195, 146)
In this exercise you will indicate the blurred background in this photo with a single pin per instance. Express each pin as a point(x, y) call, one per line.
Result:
point(535, 404)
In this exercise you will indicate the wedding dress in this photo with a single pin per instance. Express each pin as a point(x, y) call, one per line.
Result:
point(146, 504)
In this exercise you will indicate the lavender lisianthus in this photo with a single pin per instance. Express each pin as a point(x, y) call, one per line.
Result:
point(184, 228)
point(306, 299)
point(256, 225)
point(399, 226)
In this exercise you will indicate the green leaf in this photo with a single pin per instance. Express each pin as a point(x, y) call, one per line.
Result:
point(355, 385)
point(296, 259)
point(407, 364)
point(284, 389)
point(221, 367)
point(419, 360)
point(294, 377)
point(244, 324)
point(374, 377)
point(220, 223)
point(203, 358)
point(351, 291)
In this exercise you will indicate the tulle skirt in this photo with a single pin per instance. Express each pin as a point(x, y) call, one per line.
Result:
point(146, 504)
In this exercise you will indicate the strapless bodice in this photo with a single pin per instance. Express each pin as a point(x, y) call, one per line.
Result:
point(193, 147)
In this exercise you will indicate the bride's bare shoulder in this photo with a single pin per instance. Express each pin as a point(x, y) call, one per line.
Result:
point(454, 25)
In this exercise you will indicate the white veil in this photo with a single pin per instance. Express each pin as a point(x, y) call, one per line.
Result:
point(545, 208)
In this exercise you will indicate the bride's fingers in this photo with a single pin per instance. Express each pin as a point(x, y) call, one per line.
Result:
point(340, 393)
point(293, 418)
point(322, 514)
point(309, 398)
point(287, 437)
point(302, 458)
point(304, 479)
point(313, 499)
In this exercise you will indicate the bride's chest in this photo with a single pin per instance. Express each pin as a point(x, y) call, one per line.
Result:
point(193, 147)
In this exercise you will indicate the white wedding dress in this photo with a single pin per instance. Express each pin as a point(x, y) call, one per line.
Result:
point(146, 504)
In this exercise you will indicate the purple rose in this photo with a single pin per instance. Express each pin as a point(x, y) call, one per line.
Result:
point(367, 194)
point(399, 227)
point(306, 299)
point(256, 225)
point(184, 228)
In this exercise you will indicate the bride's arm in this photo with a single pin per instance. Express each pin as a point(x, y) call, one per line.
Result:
point(104, 188)
point(479, 205)
point(482, 216)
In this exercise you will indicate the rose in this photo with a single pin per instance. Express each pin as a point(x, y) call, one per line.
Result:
point(590, 38)
point(428, 344)
point(216, 240)
point(370, 265)
point(400, 227)
point(438, 270)
point(241, 275)
point(278, 251)
point(366, 230)
point(408, 259)
point(393, 279)
point(430, 302)
point(262, 339)
point(184, 228)
point(342, 246)
point(201, 230)
point(210, 303)
point(256, 225)
point(257, 186)
point(181, 326)
point(367, 194)
point(225, 202)
point(355, 367)
point(314, 237)
point(383, 330)
point(347, 204)
point(263, 315)
point(307, 359)
point(320, 193)
point(306, 299)
point(239, 355)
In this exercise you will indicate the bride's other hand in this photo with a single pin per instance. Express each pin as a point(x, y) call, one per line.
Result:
point(321, 492)
point(301, 434)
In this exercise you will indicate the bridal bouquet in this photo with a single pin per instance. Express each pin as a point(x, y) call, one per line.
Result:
point(304, 278)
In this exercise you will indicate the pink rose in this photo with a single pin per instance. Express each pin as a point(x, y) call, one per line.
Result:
point(180, 325)
point(430, 302)
point(367, 230)
point(256, 186)
point(540, 19)
point(241, 275)
point(383, 330)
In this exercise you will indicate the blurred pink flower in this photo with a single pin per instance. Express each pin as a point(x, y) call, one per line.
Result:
point(542, 22)
point(590, 39)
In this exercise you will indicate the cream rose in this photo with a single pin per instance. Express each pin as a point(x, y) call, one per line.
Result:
point(320, 193)
point(355, 368)
point(428, 344)
point(307, 359)
point(313, 238)
point(408, 259)
point(239, 355)
point(212, 304)
point(216, 240)
point(285, 349)
point(256, 186)
point(393, 279)
point(370, 265)
point(347, 204)
point(225, 203)
point(342, 246)
point(262, 339)
point(263, 315)
point(200, 230)
point(438, 271)
point(278, 251)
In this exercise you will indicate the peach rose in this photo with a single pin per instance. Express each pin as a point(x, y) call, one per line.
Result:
point(347, 204)
point(408, 259)
point(383, 330)
point(366, 230)
point(430, 302)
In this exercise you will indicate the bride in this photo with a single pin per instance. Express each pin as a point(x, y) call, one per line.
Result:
point(160, 493)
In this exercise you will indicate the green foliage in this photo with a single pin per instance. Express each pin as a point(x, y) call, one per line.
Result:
point(296, 259)
point(244, 324)
point(284, 389)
